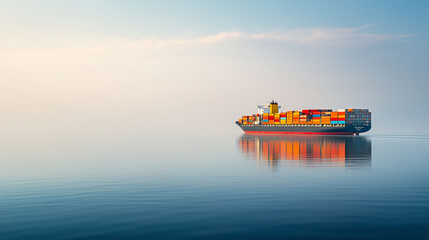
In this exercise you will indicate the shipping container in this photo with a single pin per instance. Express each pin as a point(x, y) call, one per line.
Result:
point(325, 120)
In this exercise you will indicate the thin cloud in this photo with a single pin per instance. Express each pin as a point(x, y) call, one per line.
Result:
point(331, 36)
point(311, 36)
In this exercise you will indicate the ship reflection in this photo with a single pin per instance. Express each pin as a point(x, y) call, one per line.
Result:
point(307, 151)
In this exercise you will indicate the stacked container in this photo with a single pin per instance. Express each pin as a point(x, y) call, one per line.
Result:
point(334, 118)
point(358, 117)
point(355, 117)
point(276, 118)
point(295, 117)
point(341, 116)
point(265, 118)
point(283, 118)
point(271, 118)
point(303, 119)
point(325, 119)
point(289, 117)
point(316, 117)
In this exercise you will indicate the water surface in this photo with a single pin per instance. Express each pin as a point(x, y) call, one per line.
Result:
point(231, 187)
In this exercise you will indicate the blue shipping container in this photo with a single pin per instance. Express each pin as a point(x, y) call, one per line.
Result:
point(316, 115)
point(334, 122)
point(341, 122)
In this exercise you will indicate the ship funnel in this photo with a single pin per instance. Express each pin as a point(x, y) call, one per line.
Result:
point(274, 107)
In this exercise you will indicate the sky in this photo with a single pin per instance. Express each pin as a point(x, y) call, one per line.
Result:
point(122, 69)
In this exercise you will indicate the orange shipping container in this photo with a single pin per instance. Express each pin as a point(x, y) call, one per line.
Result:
point(324, 121)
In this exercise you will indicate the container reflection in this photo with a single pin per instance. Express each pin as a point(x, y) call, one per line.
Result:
point(307, 151)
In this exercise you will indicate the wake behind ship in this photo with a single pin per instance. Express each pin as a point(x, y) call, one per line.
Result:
point(269, 120)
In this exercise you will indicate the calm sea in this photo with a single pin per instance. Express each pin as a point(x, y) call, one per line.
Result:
point(232, 187)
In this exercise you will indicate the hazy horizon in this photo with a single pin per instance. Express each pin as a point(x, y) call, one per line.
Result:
point(95, 69)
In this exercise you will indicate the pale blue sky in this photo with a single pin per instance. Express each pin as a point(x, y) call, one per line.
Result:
point(85, 61)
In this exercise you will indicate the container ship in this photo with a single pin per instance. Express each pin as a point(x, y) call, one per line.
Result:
point(269, 120)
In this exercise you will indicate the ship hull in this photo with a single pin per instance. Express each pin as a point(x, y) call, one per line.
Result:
point(304, 129)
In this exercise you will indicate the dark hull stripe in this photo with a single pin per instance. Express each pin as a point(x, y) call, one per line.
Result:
point(298, 133)
point(320, 130)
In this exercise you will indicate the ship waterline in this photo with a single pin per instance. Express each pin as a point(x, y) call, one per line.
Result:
point(302, 129)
